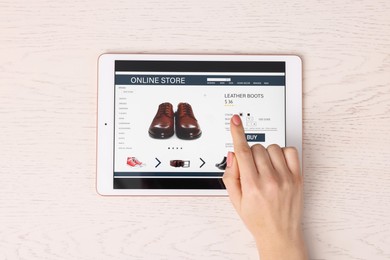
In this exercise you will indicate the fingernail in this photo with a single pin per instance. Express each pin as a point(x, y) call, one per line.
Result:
point(236, 120)
point(229, 160)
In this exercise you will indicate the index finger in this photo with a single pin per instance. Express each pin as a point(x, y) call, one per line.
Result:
point(243, 152)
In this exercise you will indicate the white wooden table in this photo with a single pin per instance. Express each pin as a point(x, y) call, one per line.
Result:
point(48, 66)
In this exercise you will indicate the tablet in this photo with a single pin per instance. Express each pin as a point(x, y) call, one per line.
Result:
point(163, 120)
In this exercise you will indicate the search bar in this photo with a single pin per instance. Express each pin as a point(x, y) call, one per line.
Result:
point(219, 79)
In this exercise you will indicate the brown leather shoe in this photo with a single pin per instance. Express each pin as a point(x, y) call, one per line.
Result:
point(187, 126)
point(162, 126)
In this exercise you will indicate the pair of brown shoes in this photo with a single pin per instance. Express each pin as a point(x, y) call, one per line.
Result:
point(163, 127)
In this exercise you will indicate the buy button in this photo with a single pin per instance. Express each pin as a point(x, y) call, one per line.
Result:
point(255, 137)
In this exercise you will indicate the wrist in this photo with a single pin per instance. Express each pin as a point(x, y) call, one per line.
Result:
point(282, 247)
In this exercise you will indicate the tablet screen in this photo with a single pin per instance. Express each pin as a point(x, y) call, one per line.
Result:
point(172, 119)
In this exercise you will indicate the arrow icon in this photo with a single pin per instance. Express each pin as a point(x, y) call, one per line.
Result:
point(159, 162)
point(202, 163)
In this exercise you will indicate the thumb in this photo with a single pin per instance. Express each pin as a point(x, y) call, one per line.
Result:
point(231, 179)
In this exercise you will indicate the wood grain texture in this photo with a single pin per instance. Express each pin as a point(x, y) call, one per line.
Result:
point(48, 50)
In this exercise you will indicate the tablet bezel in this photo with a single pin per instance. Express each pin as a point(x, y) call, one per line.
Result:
point(105, 118)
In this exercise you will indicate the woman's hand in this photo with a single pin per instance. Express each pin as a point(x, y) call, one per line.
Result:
point(265, 187)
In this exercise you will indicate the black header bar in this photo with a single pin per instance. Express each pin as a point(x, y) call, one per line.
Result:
point(202, 80)
point(201, 66)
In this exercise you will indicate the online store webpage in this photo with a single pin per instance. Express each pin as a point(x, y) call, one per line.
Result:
point(176, 124)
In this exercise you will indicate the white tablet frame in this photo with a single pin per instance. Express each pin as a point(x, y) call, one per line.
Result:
point(105, 118)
